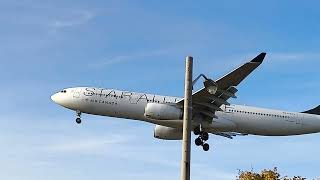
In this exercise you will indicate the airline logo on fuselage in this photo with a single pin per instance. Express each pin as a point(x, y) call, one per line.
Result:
point(133, 98)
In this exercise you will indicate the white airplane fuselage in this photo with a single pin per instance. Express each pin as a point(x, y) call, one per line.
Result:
point(232, 118)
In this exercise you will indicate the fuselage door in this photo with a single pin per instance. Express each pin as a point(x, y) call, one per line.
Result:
point(76, 93)
point(299, 118)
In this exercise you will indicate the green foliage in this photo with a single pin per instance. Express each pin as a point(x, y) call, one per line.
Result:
point(265, 175)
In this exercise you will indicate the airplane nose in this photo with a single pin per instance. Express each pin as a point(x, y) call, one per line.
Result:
point(54, 98)
point(61, 99)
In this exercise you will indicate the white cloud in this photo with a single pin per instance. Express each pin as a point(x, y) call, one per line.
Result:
point(294, 56)
point(92, 145)
point(130, 57)
point(74, 19)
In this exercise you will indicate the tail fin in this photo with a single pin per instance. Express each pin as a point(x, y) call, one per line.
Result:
point(315, 111)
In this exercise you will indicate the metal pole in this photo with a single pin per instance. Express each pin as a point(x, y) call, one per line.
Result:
point(187, 116)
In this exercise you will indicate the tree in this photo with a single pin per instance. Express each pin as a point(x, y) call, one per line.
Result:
point(265, 175)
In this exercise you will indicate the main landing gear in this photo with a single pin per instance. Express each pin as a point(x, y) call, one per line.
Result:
point(78, 117)
point(202, 138)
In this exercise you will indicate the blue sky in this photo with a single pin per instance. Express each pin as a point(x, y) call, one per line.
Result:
point(140, 46)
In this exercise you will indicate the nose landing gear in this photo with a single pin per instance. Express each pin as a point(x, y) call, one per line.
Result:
point(78, 117)
point(78, 120)
point(202, 138)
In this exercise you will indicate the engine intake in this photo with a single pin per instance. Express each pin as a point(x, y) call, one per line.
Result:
point(167, 133)
point(162, 112)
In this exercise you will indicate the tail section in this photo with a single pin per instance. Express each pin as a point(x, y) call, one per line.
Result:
point(315, 111)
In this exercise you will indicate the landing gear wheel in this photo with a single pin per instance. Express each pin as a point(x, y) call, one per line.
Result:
point(197, 130)
point(205, 147)
point(204, 136)
point(198, 141)
point(78, 116)
point(78, 120)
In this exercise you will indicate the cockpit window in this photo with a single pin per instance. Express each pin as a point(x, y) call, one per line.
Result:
point(63, 91)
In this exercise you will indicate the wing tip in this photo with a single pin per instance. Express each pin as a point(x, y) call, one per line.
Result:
point(259, 58)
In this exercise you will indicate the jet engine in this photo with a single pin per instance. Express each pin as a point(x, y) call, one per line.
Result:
point(162, 112)
point(167, 133)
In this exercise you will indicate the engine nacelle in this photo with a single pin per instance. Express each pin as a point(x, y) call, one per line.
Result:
point(162, 112)
point(167, 133)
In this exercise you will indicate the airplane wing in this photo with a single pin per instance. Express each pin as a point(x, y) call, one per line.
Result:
point(207, 104)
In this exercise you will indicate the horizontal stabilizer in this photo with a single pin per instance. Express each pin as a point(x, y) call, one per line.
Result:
point(315, 111)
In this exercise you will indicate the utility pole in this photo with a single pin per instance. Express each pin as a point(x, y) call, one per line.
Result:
point(187, 116)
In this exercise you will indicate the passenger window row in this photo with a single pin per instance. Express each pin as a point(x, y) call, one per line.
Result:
point(261, 114)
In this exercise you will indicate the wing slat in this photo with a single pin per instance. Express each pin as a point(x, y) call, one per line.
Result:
point(208, 113)
point(209, 105)
point(217, 99)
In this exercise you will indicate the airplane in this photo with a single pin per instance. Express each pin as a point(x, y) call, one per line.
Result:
point(211, 111)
